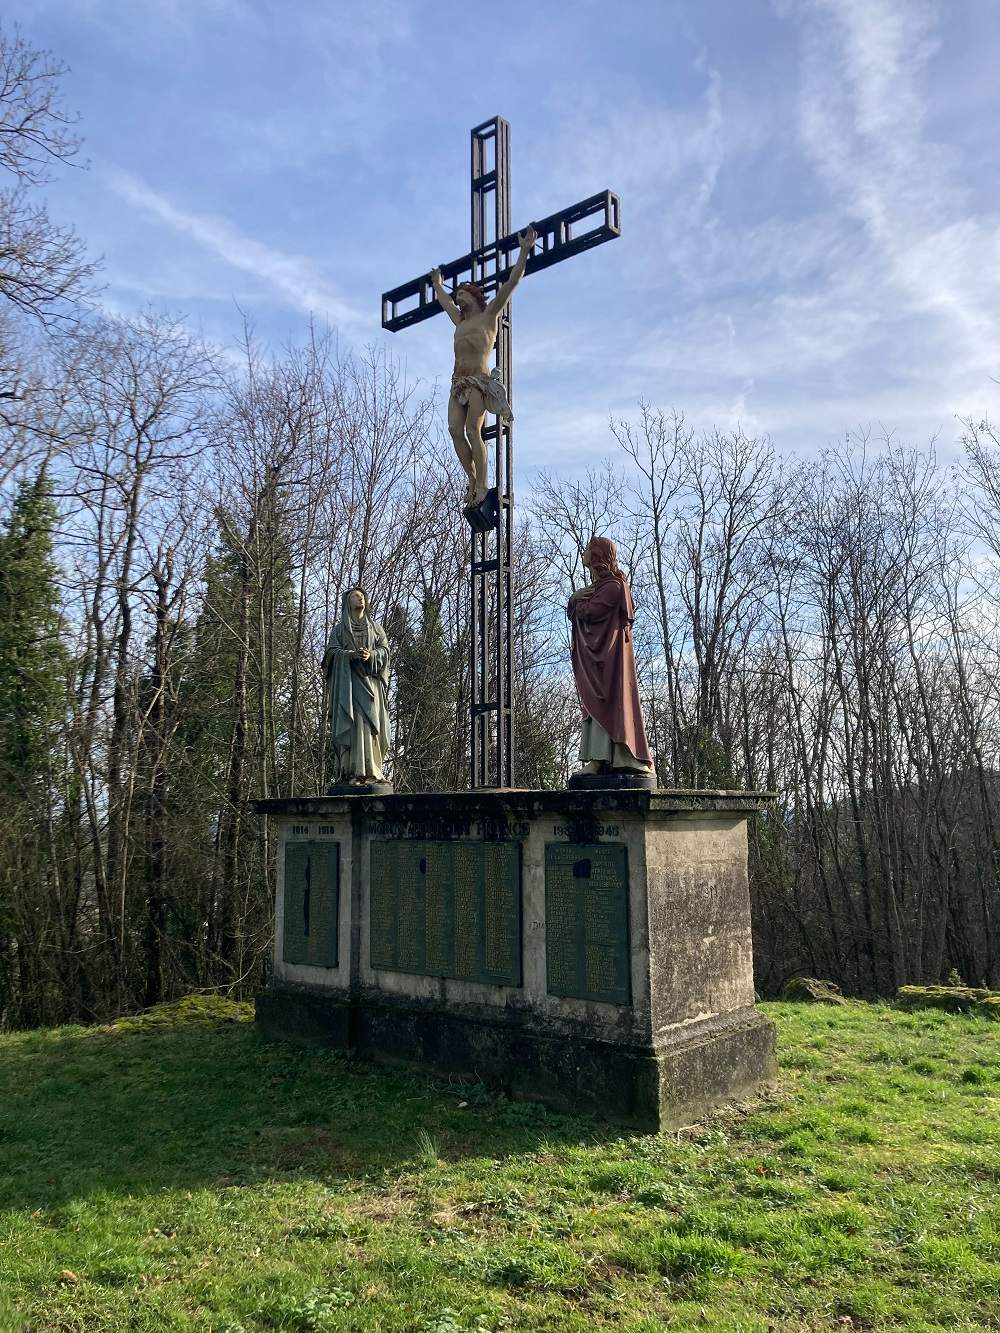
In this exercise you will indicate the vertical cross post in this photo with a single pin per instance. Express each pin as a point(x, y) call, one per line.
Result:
point(491, 590)
point(492, 256)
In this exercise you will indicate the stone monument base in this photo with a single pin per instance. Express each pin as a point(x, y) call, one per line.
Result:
point(590, 949)
point(645, 1087)
point(613, 779)
point(359, 789)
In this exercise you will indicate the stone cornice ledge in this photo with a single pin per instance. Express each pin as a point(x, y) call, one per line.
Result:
point(522, 801)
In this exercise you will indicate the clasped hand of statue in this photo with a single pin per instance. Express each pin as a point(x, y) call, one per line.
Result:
point(361, 655)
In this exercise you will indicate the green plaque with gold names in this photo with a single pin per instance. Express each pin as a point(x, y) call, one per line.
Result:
point(587, 954)
point(446, 909)
point(312, 903)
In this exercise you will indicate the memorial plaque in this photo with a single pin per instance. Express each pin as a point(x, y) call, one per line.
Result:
point(501, 912)
point(446, 909)
point(383, 903)
point(587, 955)
point(312, 903)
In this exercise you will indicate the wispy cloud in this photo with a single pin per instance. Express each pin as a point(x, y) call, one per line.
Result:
point(662, 156)
point(811, 214)
point(863, 125)
point(123, 21)
point(880, 303)
point(347, 58)
point(293, 276)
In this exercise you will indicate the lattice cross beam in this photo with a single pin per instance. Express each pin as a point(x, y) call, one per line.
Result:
point(569, 232)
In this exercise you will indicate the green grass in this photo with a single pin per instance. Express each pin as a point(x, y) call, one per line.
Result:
point(177, 1172)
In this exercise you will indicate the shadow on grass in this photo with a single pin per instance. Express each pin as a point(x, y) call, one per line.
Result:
point(136, 1109)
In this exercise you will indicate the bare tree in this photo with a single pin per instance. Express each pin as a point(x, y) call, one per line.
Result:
point(42, 265)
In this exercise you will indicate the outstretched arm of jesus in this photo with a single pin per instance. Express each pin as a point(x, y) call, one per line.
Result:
point(528, 237)
point(444, 300)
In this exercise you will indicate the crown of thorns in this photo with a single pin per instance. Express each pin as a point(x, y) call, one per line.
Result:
point(476, 291)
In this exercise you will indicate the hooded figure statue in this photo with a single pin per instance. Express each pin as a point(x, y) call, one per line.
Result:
point(604, 666)
point(356, 665)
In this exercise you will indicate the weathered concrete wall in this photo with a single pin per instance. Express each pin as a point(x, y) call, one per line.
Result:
point(699, 916)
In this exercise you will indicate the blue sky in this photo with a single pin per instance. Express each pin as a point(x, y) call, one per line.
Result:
point(810, 192)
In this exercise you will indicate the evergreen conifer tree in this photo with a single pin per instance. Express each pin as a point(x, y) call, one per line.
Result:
point(33, 662)
point(33, 658)
point(426, 688)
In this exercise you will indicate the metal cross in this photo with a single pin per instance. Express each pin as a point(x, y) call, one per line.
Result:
point(488, 263)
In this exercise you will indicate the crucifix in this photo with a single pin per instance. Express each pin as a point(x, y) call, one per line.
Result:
point(495, 262)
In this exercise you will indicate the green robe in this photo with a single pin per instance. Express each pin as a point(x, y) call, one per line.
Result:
point(358, 700)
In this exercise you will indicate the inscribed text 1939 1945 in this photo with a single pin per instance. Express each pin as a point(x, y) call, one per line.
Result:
point(586, 921)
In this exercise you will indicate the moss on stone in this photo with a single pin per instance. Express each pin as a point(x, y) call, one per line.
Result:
point(954, 999)
point(812, 990)
point(198, 1010)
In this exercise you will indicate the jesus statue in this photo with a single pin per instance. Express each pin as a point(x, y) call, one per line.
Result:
point(475, 390)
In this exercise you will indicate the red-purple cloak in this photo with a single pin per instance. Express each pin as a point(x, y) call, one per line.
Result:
point(604, 661)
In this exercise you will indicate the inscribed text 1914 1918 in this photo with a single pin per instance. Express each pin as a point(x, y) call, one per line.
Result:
point(447, 909)
point(587, 951)
point(312, 903)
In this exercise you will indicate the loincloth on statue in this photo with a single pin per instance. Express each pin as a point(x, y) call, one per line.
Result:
point(490, 386)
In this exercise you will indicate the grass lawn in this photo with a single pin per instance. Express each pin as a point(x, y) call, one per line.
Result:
point(177, 1172)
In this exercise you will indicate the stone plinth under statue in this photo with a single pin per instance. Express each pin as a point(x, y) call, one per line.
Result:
point(588, 949)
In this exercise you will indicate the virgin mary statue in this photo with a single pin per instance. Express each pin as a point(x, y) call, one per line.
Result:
point(356, 664)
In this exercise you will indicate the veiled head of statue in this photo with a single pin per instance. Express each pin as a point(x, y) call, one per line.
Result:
point(602, 557)
point(355, 603)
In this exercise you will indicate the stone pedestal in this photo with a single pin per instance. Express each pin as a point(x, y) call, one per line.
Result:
point(590, 949)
